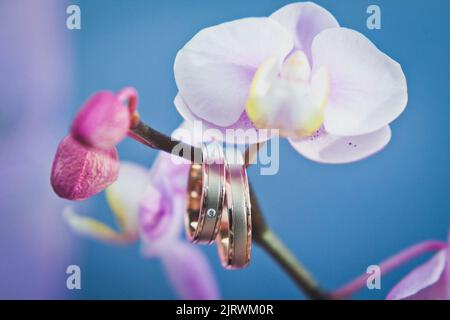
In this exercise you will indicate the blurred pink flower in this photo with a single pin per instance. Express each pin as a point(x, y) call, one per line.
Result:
point(161, 214)
point(190, 273)
point(162, 207)
point(328, 89)
point(151, 204)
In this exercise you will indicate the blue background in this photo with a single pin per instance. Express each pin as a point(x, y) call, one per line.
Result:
point(336, 219)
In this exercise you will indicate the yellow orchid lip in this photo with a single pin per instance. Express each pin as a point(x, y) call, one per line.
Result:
point(260, 84)
point(96, 229)
point(126, 233)
point(287, 97)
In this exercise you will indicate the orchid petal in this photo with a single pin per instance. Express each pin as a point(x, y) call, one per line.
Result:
point(152, 212)
point(426, 282)
point(324, 147)
point(447, 268)
point(102, 122)
point(190, 273)
point(170, 176)
point(94, 229)
point(161, 219)
point(368, 89)
point(183, 109)
point(125, 194)
point(162, 206)
point(304, 20)
point(79, 172)
point(251, 134)
point(214, 69)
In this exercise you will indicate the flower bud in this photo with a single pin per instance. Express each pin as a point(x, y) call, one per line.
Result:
point(102, 122)
point(79, 172)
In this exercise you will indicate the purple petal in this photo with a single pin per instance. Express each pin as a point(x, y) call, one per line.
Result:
point(162, 207)
point(79, 172)
point(169, 176)
point(427, 282)
point(102, 122)
point(153, 212)
point(214, 69)
point(304, 20)
point(160, 220)
point(324, 147)
point(367, 88)
point(190, 273)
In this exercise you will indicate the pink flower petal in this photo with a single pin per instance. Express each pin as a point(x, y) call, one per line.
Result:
point(102, 122)
point(79, 172)
point(324, 147)
point(367, 88)
point(162, 206)
point(170, 176)
point(447, 267)
point(426, 282)
point(304, 20)
point(153, 212)
point(214, 69)
point(190, 273)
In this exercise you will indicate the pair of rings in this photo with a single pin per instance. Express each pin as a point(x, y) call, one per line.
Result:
point(218, 205)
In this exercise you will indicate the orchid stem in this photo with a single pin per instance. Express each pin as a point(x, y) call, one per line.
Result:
point(159, 141)
point(388, 265)
point(262, 235)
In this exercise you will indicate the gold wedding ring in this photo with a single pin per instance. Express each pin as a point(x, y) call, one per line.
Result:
point(235, 235)
point(205, 196)
point(218, 205)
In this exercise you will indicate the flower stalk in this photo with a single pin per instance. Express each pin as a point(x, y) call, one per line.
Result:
point(262, 234)
point(148, 136)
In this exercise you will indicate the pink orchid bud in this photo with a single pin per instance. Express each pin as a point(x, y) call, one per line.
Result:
point(102, 122)
point(79, 172)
